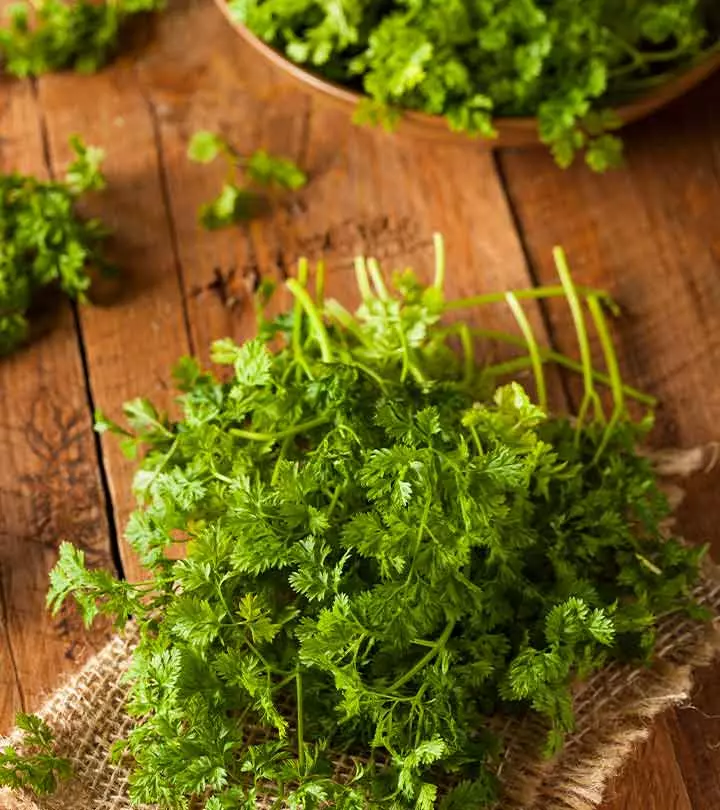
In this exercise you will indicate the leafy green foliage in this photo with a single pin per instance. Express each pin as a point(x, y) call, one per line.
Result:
point(54, 35)
point(239, 198)
point(34, 765)
point(385, 546)
point(564, 61)
point(44, 242)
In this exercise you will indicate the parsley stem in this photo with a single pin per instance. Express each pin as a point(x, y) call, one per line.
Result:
point(439, 242)
point(509, 366)
point(320, 283)
point(335, 310)
point(468, 352)
point(377, 279)
point(613, 370)
point(609, 352)
point(476, 439)
point(425, 660)
point(549, 356)
point(554, 291)
point(297, 312)
point(252, 436)
point(533, 348)
point(321, 335)
point(573, 299)
point(363, 281)
point(300, 720)
point(281, 455)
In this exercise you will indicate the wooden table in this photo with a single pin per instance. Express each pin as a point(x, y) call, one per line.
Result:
point(649, 234)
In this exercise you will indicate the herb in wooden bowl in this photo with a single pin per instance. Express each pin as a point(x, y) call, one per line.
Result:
point(568, 72)
point(52, 35)
point(387, 545)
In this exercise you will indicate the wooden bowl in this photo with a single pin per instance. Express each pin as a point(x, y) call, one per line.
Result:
point(511, 131)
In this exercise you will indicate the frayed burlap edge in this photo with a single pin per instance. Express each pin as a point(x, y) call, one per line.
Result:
point(614, 711)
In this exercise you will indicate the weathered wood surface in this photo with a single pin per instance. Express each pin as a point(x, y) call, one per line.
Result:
point(649, 234)
point(50, 481)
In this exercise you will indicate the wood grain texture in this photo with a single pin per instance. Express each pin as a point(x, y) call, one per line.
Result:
point(50, 488)
point(653, 780)
point(137, 331)
point(194, 78)
point(648, 234)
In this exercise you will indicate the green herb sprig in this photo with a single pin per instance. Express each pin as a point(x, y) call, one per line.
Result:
point(387, 544)
point(239, 198)
point(53, 35)
point(38, 768)
point(567, 62)
point(44, 242)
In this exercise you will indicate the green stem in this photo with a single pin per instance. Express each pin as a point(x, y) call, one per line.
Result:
point(609, 351)
point(425, 660)
point(297, 336)
point(252, 436)
point(334, 309)
point(321, 335)
point(554, 291)
point(377, 279)
point(476, 439)
point(468, 348)
point(509, 366)
point(614, 371)
point(439, 242)
point(549, 356)
point(320, 283)
point(533, 347)
point(281, 455)
point(573, 299)
point(163, 463)
point(363, 281)
point(300, 720)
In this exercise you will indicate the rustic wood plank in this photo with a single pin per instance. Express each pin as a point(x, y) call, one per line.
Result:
point(649, 235)
point(195, 77)
point(134, 336)
point(50, 488)
point(653, 780)
point(696, 737)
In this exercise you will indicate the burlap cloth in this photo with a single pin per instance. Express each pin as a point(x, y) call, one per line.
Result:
point(614, 709)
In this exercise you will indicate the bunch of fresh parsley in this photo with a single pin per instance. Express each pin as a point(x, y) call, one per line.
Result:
point(240, 197)
point(44, 242)
point(52, 35)
point(385, 549)
point(564, 61)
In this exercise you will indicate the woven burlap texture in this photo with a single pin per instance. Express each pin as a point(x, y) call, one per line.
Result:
point(614, 709)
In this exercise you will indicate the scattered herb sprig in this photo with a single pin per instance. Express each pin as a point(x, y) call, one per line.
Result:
point(53, 35)
point(387, 545)
point(566, 62)
point(240, 199)
point(43, 241)
point(38, 768)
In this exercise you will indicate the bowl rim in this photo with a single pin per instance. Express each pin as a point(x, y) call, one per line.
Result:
point(628, 112)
